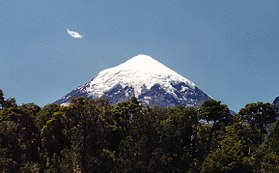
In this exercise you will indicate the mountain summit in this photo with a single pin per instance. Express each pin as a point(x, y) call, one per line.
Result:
point(145, 78)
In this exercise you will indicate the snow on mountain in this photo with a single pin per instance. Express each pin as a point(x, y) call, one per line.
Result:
point(143, 77)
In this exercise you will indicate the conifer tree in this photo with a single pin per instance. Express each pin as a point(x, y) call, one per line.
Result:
point(259, 116)
point(273, 138)
point(217, 115)
point(1, 100)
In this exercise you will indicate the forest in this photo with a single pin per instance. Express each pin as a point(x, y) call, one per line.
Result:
point(95, 136)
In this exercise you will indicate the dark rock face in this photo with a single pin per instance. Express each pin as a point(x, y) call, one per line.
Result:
point(78, 92)
point(118, 94)
point(276, 105)
point(157, 96)
point(183, 95)
point(191, 97)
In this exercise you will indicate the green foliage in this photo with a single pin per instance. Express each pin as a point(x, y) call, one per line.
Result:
point(9, 147)
point(216, 113)
point(224, 159)
point(259, 116)
point(19, 138)
point(31, 167)
point(94, 136)
point(273, 138)
point(1, 99)
point(227, 156)
point(45, 114)
point(53, 135)
point(262, 160)
point(218, 116)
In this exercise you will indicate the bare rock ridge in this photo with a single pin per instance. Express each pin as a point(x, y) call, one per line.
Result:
point(276, 105)
point(145, 78)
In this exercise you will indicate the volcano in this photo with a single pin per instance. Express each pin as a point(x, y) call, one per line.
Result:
point(145, 78)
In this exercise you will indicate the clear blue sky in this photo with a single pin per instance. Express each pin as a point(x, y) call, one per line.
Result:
point(230, 49)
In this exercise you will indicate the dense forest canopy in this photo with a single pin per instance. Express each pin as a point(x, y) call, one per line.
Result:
point(95, 136)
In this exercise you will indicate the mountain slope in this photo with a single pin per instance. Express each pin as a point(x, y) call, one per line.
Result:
point(143, 77)
point(276, 105)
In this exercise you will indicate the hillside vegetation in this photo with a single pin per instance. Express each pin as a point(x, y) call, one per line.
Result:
point(95, 136)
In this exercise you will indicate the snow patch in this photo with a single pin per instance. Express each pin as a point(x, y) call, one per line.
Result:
point(141, 71)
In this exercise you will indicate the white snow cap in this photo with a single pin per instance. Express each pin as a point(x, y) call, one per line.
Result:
point(138, 72)
point(147, 64)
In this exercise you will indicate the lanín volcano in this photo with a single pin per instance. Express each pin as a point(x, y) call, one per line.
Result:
point(145, 78)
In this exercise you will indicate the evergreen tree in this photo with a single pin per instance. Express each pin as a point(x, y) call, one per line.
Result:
point(217, 115)
point(23, 137)
point(225, 158)
point(259, 116)
point(94, 136)
point(176, 141)
point(53, 135)
point(46, 114)
point(228, 155)
point(262, 160)
point(273, 138)
point(87, 128)
point(1, 100)
point(10, 151)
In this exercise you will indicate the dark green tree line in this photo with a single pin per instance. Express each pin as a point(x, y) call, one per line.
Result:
point(95, 136)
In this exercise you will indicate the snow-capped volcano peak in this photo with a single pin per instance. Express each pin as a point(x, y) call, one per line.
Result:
point(141, 76)
point(138, 72)
point(147, 64)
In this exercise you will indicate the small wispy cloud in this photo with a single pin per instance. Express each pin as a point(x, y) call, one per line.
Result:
point(74, 34)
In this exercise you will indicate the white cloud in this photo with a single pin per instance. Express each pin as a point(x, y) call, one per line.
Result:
point(74, 34)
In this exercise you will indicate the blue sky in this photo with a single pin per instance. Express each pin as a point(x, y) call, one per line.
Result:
point(229, 49)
